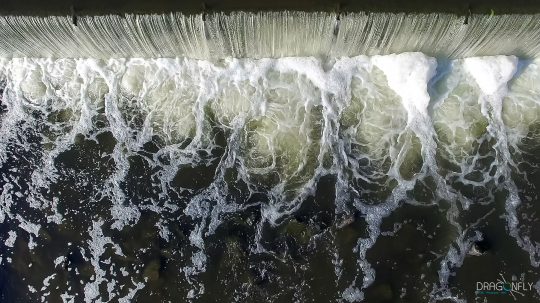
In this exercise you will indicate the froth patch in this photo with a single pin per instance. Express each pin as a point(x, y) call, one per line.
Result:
point(491, 73)
point(408, 75)
point(29, 78)
point(133, 79)
point(457, 115)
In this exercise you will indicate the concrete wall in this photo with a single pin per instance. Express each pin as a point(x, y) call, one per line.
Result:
point(103, 7)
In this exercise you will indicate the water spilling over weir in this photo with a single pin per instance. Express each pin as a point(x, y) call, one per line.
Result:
point(280, 157)
point(269, 35)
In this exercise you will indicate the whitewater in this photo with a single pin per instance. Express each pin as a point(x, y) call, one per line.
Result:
point(280, 179)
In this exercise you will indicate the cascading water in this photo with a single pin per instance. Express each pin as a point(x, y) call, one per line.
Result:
point(268, 35)
point(295, 179)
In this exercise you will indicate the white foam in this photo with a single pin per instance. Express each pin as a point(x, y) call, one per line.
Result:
point(408, 75)
point(491, 73)
point(10, 241)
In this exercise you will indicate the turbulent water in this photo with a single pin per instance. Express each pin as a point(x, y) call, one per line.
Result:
point(270, 180)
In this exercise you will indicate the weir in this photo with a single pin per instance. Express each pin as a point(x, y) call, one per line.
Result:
point(306, 152)
point(269, 34)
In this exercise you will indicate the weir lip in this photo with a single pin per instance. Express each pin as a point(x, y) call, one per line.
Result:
point(104, 7)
